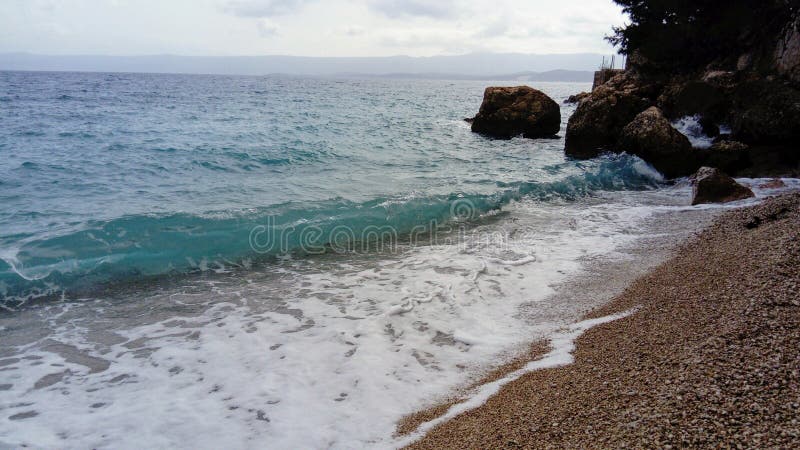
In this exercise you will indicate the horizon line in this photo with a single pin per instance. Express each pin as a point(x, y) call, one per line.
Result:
point(389, 75)
point(150, 55)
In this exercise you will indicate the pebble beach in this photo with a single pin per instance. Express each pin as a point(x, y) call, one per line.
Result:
point(709, 358)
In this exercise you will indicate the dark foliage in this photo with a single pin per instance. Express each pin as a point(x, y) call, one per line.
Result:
point(687, 34)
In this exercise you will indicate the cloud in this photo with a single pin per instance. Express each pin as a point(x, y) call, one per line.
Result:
point(266, 28)
point(264, 8)
point(352, 31)
point(498, 28)
point(395, 9)
point(307, 27)
point(440, 42)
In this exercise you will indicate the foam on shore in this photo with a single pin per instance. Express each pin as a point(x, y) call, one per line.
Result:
point(562, 343)
point(324, 352)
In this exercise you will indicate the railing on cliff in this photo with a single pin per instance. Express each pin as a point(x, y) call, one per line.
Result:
point(607, 71)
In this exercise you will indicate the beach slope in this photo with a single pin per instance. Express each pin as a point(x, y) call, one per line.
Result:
point(711, 358)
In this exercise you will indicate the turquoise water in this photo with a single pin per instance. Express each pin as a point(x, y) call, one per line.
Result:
point(117, 177)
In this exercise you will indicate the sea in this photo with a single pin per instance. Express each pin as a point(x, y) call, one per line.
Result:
point(197, 261)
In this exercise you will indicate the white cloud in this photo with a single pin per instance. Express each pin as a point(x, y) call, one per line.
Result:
point(264, 8)
point(497, 28)
point(266, 28)
point(306, 27)
point(353, 31)
point(397, 9)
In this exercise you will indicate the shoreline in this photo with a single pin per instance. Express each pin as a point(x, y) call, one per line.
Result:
point(630, 380)
point(596, 284)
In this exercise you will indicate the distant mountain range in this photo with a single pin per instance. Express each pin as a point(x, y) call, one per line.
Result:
point(577, 76)
point(486, 66)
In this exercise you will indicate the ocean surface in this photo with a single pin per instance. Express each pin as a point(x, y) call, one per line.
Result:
point(273, 262)
point(112, 177)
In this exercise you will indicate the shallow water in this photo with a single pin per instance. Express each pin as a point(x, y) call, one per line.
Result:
point(254, 334)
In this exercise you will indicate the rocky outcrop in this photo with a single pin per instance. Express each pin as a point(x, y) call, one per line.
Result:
point(735, 68)
point(651, 137)
point(596, 125)
point(576, 98)
point(713, 186)
point(787, 54)
point(601, 77)
point(763, 112)
point(766, 112)
point(695, 97)
point(511, 111)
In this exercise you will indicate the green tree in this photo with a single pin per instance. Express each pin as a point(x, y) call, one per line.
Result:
point(687, 34)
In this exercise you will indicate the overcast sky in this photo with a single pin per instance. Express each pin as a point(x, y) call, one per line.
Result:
point(305, 27)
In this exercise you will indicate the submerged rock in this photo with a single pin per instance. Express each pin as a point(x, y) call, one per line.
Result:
point(714, 186)
point(597, 123)
point(653, 138)
point(775, 183)
point(510, 111)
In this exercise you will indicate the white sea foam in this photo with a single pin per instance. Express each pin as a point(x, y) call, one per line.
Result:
point(327, 352)
point(690, 127)
point(648, 171)
point(562, 344)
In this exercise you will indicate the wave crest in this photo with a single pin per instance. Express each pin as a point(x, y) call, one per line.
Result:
point(133, 247)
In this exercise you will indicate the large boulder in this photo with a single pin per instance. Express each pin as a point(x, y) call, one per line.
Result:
point(599, 119)
point(651, 137)
point(511, 111)
point(714, 186)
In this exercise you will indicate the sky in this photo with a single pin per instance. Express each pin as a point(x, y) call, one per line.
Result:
point(305, 27)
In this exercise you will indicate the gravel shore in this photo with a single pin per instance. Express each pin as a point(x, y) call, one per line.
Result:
point(712, 358)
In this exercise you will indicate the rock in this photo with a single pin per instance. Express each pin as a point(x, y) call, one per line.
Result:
point(602, 76)
point(772, 161)
point(714, 186)
point(694, 97)
point(510, 111)
point(651, 137)
point(599, 119)
point(728, 156)
point(775, 183)
point(766, 112)
point(709, 127)
point(787, 53)
point(576, 98)
point(719, 78)
point(744, 62)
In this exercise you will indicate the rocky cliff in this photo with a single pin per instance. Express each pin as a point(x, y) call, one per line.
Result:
point(749, 104)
